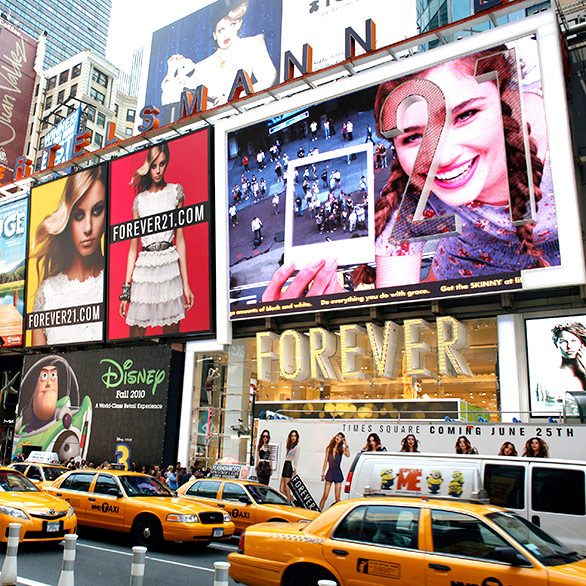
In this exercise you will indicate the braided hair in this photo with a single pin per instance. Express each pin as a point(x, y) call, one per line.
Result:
point(494, 59)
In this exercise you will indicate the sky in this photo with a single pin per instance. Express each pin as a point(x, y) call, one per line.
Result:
point(133, 22)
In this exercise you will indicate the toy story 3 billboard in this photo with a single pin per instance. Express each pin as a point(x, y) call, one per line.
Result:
point(95, 405)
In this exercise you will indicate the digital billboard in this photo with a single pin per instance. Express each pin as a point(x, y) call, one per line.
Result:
point(65, 277)
point(13, 225)
point(209, 47)
point(467, 188)
point(17, 81)
point(96, 405)
point(63, 134)
point(556, 355)
point(159, 277)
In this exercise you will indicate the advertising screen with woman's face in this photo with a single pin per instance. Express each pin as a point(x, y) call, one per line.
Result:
point(460, 201)
point(65, 278)
point(159, 282)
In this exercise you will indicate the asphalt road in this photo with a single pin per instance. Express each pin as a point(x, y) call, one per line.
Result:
point(104, 558)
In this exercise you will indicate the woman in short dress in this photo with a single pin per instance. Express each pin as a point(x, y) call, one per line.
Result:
point(290, 463)
point(263, 458)
point(333, 461)
point(156, 291)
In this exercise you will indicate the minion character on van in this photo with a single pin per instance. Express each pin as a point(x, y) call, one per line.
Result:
point(456, 485)
point(434, 481)
point(387, 478)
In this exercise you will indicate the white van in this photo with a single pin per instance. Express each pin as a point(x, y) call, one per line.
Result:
point(549, 493)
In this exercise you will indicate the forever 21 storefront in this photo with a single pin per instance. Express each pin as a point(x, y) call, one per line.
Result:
point(447, 341)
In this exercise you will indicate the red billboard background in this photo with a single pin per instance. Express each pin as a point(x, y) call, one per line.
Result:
point(17, 80)
point(188, 166)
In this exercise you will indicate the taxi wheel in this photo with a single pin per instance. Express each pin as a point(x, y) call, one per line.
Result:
point(146, 531)
point(309, 576)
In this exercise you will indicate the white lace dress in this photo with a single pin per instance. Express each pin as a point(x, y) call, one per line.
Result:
point(156, 295)
point(59, 292)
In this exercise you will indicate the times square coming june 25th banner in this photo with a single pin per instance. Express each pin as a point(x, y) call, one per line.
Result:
point(98, 405)
point(160, 269)
point(364, 199)
point(65, 277)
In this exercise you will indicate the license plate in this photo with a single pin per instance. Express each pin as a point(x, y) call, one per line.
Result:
point(53, 526)
point(219, 532)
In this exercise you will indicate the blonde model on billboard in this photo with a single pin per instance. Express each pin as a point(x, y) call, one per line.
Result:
point(233, 53)
point(156, 291)
point(68, 252)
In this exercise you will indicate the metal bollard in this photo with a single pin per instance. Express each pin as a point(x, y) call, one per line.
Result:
point(8, 576)
point(137, 569)
point(221, 573)
point(326, 583)
point(66, 578)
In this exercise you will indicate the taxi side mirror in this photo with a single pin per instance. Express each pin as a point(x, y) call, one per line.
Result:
point(509, 555)
point(244, 499)
point(115, 492)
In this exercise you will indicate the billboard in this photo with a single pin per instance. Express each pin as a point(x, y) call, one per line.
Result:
point(97, 405)
point(466, 199)
point(556, 355)
point(13, 225)
point(210, 46)
point(63, 134)
point(311, 465)
point(17, 81)
point(159, 277)
point(65, 277)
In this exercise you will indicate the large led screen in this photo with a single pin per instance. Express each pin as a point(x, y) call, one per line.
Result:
point(102, 405)
point(65, 279)
point(159, 241)
point(457, 197)
point(556, 355)
point(13, 223)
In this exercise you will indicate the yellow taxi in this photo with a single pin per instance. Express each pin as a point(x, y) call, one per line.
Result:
point(401, 541)
point(41, 474)
point(42, 517)
point(140, 505)
point(247, 502)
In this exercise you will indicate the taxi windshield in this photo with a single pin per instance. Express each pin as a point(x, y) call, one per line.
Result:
point(15, 482)
point(548, 550)
point(53, 472)
point(144, 486)
point(267, 496)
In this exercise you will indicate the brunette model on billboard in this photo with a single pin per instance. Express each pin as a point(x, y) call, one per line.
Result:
point(156, 290)
point(218, 71)
point(68, 252)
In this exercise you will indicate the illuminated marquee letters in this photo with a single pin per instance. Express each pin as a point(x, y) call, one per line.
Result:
point(317, 355)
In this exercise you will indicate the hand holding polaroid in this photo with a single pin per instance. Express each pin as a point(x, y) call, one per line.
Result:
point(329, 211)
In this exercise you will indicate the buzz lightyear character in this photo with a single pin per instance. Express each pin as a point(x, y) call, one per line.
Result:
point(434, 481)
point(387, 478)
point(54, 420)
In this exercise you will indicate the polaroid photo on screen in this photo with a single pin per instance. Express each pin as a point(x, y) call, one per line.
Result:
point(330, 207)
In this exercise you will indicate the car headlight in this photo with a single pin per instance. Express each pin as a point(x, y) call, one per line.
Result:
point(71, 512)
point(175, 518)
point(227, 518)
point(13, 512)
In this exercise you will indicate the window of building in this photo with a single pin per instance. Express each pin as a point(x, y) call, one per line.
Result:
point(130, 114)
point(128, 131)
point(76, 70)
point(38, 164)
point(101, 119)
point(60, 96)
point(98, 139)
point(98, 96)
point(51, 82)
point(100, 77)
point(48, 102)
point(42, 142)
point(63, 76)
point(73, 90)
point(44, 125)
point(91, 114)
point(36, 90)
point(116, 109)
